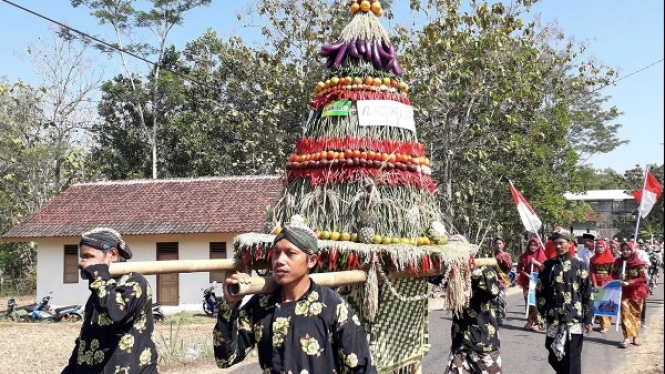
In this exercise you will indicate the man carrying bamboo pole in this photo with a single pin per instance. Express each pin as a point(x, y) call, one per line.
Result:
point(116, 335)
point(301, 327)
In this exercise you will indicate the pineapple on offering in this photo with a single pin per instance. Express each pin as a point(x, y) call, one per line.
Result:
point(366, 227)
point(437, 232)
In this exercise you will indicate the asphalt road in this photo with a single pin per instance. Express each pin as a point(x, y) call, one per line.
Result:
point(522, 351)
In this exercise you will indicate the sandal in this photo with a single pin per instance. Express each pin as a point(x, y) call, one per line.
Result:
point(603, 331)
point(636, 342)
point(624, 344)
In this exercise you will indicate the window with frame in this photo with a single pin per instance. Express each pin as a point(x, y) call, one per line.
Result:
point(71, 262)
point(217, 251)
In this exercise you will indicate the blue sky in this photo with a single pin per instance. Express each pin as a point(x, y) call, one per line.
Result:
point(627, 35)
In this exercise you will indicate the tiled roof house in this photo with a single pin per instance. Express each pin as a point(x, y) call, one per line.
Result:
point(159, 220)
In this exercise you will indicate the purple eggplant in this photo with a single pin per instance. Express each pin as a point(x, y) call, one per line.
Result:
point(385, 56)
point(368, 50)
point(388, 46)
point(361, 46)
point(390, 65)
point(330, 62)
point(340, 55)
point(376, 58)
point(329, 49)
point(397, 69)
point(353, 49)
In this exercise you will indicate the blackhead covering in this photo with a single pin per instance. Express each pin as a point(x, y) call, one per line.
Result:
point(586, 235)
point(300, 236)
point(558, 235)
point(103, 239)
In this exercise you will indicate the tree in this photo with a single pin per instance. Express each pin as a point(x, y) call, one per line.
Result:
point(126, 20)
point(67, 103)
point(507, 101)
point(27, 154)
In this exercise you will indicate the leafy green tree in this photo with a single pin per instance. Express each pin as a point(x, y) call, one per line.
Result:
point(498, 99)
point(28, 153)
point(126, 20)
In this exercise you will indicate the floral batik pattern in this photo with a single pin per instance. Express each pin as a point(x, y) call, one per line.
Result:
point(476, 327)
point(318, 333)
point(116, 336)
point(564, 292)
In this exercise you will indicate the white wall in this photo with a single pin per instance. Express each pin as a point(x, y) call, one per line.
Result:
point(50, 266)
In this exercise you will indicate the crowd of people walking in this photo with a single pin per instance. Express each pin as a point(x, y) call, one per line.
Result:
point(567, 279)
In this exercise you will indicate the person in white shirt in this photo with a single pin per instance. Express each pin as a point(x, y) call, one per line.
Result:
point(586, 253)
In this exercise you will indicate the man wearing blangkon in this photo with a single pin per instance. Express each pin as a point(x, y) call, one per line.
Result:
point(301, 327)
point(564, 299)
point(116, 335)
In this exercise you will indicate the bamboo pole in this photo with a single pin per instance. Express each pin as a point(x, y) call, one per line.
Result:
point(171, 266)
point(261, 285)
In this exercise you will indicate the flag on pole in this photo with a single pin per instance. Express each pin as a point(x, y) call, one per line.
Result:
point(650, 194)
point(528, 216)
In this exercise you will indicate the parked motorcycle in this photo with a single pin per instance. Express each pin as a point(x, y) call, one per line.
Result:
point(43, 312)
point(210, 300)
point(157, 314)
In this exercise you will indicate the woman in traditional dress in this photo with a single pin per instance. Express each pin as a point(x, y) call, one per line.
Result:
point(634, 291)
point(531, 261)
point(600, 267)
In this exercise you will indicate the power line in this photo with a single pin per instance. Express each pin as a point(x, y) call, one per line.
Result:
point(627, 75)
point(100, 41)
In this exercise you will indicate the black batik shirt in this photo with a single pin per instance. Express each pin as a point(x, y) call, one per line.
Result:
point(116, 336)
point(475, 328)
point(564, 292)
point(319, 333)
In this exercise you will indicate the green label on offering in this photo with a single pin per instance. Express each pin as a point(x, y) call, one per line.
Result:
point(336, 108)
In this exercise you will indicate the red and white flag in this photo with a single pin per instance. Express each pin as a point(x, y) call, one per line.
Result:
point(648, 196)
point(528, 216)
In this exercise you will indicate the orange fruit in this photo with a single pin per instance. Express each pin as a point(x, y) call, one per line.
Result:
point(355, 7)
point(369, 81)
point(365, 6)
point(375, 7)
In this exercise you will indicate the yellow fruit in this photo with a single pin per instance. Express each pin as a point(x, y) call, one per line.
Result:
point(325, 235)
point(334, 81)
point(426, 241)
point(377, 239)
point(405, 241)
point(320, 86)
point(277, 230)
point(394, 240)
point(443, 240)
point(386, 240)
point(386, 81)
point(414, 241)
point(357, 80)
point(375, 7)
point(345, 236)
point(334, 235)
point(365, 6)
point(403, 86)
point(354, 237)
point(376, 82)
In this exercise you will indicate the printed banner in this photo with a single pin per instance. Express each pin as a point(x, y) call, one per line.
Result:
point(607, 300)
point(336, 108)
point(531, 300)
point(385, 113)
